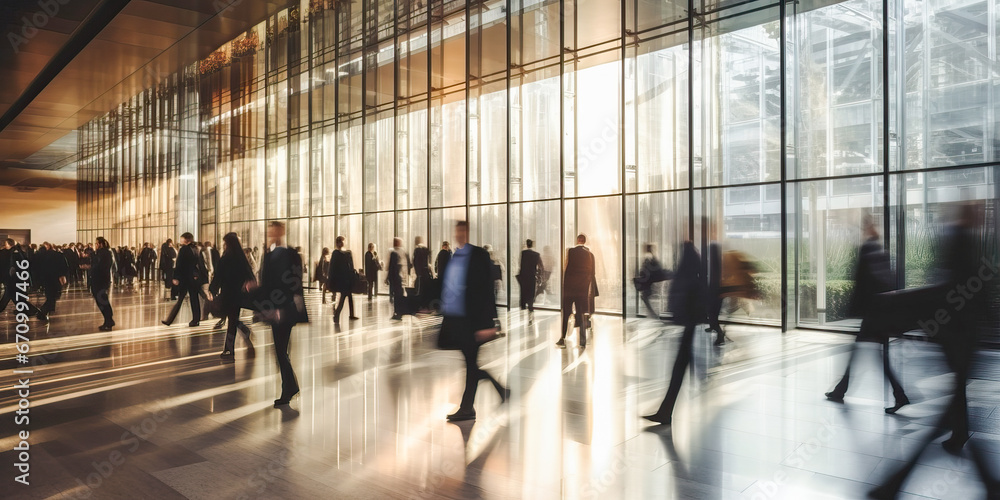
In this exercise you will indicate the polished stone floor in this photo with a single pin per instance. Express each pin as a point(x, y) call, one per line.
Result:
point(148, 411)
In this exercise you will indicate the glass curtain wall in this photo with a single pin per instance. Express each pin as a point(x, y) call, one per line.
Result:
point(769, 129)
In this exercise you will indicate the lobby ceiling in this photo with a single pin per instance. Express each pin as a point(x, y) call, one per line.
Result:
point(63, 62)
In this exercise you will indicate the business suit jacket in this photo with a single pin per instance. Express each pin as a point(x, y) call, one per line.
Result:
point(281, 285)
point(186, 270)
point(422, 261)
point(480, 304)
point(342, 276)
point(167, 256)
point(231, 274)
point(100, 270)
point(397, 259)
point(371, 266)
point(443, 257)
point(531, 265)
point(579, 280)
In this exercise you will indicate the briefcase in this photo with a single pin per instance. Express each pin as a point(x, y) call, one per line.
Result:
point(360, 285)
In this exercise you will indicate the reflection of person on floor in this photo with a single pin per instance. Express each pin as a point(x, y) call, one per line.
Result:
point(871, 276)
point(470, 314)
point(579, 287)
point(964, 269)
point(687, 303)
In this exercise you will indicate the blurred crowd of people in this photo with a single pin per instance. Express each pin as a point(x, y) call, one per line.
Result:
point(462, 282)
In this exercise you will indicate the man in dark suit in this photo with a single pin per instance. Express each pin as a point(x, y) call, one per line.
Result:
point(422, 270)
point(579, 284)
point(72, 263)
point(397, 260)
point(372, 267)
point(341, 278)
point(531, 266)
point(442, 259)
point(278, 299)
point(53, 269)
point(469, 309)
point(187, 278)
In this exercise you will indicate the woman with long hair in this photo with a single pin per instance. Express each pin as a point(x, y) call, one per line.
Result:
point(232, 277)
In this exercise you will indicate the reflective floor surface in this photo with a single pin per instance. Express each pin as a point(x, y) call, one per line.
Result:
point(148, 411)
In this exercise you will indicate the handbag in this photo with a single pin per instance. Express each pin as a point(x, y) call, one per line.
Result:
point(360, 283)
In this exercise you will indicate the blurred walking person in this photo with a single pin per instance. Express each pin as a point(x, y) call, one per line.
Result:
point(470, 314)
point(279, 301)
point(399, 269)
point(187, 279)
point(650, 273)
point(100, 282)
point(579, 284)
point(527, 276)
point(422, 271)
point(372, 266)
point(11, 254)
point(686, 300)
point(322, 273)
point(167, 255)
point(233, 276)
point(963, 297)
point(872, 275)
point(342, 279)
point(53, 272)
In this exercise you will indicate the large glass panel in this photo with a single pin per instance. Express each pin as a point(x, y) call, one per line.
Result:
point(836, 109)
point(539, 222)
point(601, 220)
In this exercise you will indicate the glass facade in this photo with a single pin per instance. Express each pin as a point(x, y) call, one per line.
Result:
point(771, 128)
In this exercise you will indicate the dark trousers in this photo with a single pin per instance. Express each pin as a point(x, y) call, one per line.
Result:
point(473, 373)
point(582, 303)
point(684, 356)
point(53, 291)
point(104, 305)
point(233, 323)
point(282, 334)
point(372, 285)
point(340, 305)
point(897, 388)
point(9, 293)
point(192, 291)
point(398, 297)
point(714, 309)
point(527, 295)
point(646, 294)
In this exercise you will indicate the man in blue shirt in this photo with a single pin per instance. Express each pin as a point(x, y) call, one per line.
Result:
point(469, 309)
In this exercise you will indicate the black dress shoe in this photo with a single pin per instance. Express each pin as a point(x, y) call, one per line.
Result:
point(42, 317)
point(660, 419)
point(283, 400)
point(104, 328)
point(561, 343)
point(461, 415)
point(397, 317)
point(193, 324)
point(352, 318)
point(220, 324)
point(900, 402)
point(835, 397)
point(504, 396)
point(227, 355)
point(250, 351)
point(166, 323)
point(954, 445)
